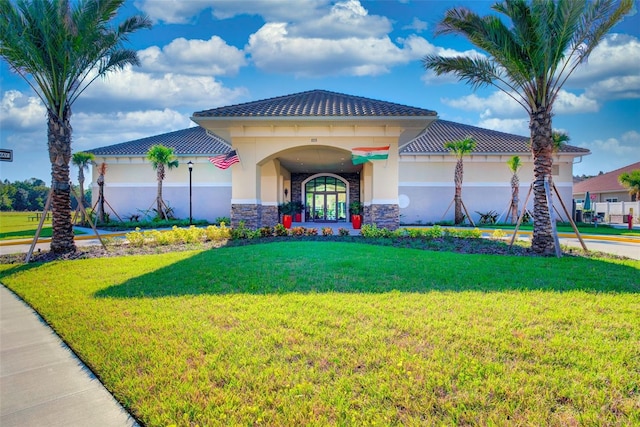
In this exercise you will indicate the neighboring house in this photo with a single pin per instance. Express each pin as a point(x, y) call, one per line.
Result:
point(298, 148)
point(605, 187)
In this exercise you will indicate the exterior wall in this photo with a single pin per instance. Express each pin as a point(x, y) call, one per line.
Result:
point(426, 187)
point(130, 188)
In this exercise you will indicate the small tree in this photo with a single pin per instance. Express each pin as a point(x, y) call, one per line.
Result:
point(161, 157)
point(631, 180)
point(82, 160)
point(459, 149)
point(514, 165)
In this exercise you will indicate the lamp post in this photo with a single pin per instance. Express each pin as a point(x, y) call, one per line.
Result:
point(190, 164)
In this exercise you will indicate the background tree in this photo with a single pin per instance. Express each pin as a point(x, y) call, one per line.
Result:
point(59, 48)
point(631, 180)
point(514, 164)
point(161, 157)
point(82, 160)
point(530, 59)
point(459, 149)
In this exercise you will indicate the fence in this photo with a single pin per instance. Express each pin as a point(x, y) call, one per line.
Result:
point(613, 212)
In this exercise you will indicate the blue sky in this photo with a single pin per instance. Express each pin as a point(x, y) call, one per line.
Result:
point(209, 53)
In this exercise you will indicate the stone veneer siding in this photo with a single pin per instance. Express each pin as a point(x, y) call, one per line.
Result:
point(270, 216)
point(249, 213)
point(383, 216)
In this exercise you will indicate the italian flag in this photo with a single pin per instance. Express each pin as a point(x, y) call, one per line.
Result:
point(360, 155)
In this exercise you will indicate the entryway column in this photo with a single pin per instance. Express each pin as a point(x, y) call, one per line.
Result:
point(245, 190)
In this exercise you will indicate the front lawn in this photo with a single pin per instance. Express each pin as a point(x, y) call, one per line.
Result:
point(583, 228)
point(332, 333)
point(23, 225)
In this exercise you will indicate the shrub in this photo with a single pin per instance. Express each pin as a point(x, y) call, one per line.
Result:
point(240, 232)
point(215, 233)
point(280, 230)
point(298, 231)
point(327, 231)
point(135, 238)
point(343, 231)
point(498, 234)
point(312, 232)
point(223, 220)
point(266, 231)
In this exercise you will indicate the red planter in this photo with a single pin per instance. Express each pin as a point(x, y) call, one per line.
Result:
point(356, 221)
point(286, 221)
point(298, 217)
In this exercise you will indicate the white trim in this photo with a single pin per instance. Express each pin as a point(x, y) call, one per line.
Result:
point(269, 203)
point(246, 202)
point(384, 202)
point(472, 184)
point(164, 184)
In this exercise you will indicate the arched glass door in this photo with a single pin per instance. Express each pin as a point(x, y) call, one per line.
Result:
point(326, 199)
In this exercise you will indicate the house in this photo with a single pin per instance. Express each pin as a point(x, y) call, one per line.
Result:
point(298, 147)
point(605, 187)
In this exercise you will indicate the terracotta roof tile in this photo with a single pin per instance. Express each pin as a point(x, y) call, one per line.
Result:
point(316, 103)
point(432, 140)
point(605, 182)
point(193, 140)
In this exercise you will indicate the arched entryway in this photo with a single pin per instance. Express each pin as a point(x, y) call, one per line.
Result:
point(326, 198)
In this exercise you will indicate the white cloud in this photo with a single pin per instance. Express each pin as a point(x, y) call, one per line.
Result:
point(631, 136)
point(172, 11)
point(569, 103)
point(96, 130)
point(345, 20)
point(611, 71)
point(498, 103)
point(181, 11)
point(130, 90)
point(612, 147)
point(211, 57)
point(417, 25)
point(20, 112)
point(273, 49)
point(514, 126)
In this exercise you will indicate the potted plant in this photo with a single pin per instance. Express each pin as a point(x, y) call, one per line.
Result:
point(297, 208)
point(356, 219)
point(286, 210)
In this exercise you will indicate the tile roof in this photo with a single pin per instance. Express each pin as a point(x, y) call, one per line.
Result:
point(605, 182)
point(316, 103)
point(193, 140)
point(432, 140)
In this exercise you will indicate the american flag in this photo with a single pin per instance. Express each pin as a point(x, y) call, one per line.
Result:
point(223, 161)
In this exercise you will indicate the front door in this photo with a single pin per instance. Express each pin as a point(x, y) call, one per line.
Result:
point(324, 206)
point(326, 199)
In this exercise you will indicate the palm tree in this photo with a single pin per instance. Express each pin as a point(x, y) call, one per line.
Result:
point(102, 170)
point(59, 48)
point(514, 165)
point(631, 180)
point(459, 149)
point(560, 139)
point(161, 156)
point(82, 160)
point(530, 59)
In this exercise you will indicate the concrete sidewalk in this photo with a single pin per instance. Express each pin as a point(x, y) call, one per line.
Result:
point(42, 383)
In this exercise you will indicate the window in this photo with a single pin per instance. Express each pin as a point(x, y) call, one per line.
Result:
point(611, 199)
point(555, 170)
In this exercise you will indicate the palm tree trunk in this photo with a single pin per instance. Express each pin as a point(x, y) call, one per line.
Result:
point(515, 192)
point(458, 216)
point(59, 142)
point(159, 207)
point(542, 147)
point(81, 183)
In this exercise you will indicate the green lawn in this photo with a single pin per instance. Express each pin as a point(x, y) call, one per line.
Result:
point(582, 228)
point(23, 225)
point(331, 333)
